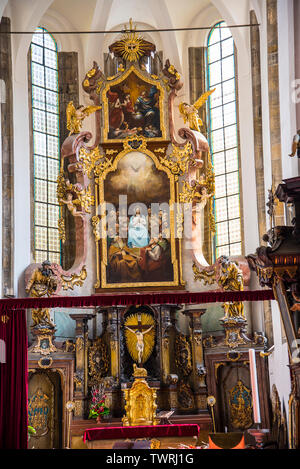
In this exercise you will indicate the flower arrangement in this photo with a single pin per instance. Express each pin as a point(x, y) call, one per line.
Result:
point(98, 406)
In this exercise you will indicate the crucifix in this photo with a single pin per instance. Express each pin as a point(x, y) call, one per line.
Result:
point(139, 330)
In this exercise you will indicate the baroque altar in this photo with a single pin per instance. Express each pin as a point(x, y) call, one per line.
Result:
point(136, 205)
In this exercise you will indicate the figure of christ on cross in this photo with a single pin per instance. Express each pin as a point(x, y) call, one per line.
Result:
point(139, 330)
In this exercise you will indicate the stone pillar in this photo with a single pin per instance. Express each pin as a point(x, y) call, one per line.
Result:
point(198, 374)
point(297, 54)
point(68, 91)
point(257, 125)
point(81, 366)
point(259, 155)
point(274, 103)
point(6, 123)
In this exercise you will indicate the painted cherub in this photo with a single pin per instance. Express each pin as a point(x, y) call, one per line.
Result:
point(189, 112)
point(75, 116)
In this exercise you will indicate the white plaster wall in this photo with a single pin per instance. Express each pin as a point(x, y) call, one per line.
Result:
point(278, 361)
point(286, 54)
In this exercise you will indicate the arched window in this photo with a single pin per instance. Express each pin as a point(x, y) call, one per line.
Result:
point(223, 139)
point(45, 124)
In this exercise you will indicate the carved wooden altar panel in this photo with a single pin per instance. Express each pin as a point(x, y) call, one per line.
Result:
point(228, 380)
point(49, 390)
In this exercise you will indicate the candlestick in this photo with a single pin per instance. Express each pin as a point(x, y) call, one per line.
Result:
point(254, 387)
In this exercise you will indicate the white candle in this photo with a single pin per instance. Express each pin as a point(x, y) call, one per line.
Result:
point(254, 386)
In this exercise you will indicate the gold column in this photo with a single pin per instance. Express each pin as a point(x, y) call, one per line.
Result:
point(114, 340)
point(199, 373)
point(81, 363)
point(274, 102)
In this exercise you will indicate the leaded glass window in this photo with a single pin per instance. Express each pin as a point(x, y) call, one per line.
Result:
point(223, 139)
point(45, 124)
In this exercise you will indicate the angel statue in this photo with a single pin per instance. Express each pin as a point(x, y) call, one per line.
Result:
point(189, 112)
point(76, 116)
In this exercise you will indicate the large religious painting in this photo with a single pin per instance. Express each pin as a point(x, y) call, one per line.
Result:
point(132, 106)
point(138, 244)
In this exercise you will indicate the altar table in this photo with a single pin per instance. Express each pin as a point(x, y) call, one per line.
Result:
point(167, 435)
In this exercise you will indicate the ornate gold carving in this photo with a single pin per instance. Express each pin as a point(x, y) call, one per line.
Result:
point(41, 316)
point(209, 341)
point(231, 358)
point(98, 361)
point(78, 410)
point(139, 372)
point(43, 365)
point(178, 160)
point(79, 343)
point(4, 318)
point(44, 344)
point(95, 222)
point(140, 404)
point(75, 116)
point(94, 163)
point(74, 196)
point(189, 112)
point(185, 397)
point(240, 404)
point(111, 151)
point(208, 277)
point(61, 229)
point(74, 280)
point(155, 444)
point(89, 159)
point(140, 336)
point(135, 142)
point(183, 355)
point(132, 46)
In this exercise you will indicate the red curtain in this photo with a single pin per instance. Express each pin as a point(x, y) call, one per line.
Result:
point(13, 380)
point(112, 299)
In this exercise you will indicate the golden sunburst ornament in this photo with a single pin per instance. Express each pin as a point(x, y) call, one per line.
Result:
point(132, 46)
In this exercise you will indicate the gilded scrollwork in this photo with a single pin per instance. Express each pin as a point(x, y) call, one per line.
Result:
point(178, 160)
point(183, 355)
point(61, 229)
point(96, 229)
point(98, 361)
point(207, 276)
point(185, 396)
point(69, 282)
point(76, 198)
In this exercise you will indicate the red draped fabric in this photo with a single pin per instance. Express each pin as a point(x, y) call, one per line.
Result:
point(113, 299)
point(13, 380)
point(142, 431)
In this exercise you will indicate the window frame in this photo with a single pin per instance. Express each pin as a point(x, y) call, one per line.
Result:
point(222, 247)
point(50, 228)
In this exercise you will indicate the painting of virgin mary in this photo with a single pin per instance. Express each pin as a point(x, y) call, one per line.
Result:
point(138, 235)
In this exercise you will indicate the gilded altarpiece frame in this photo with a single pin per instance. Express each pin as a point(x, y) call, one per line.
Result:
point(152, 150)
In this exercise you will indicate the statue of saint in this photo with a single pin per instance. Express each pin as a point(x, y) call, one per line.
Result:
point(296, 145)
point(43, 281)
